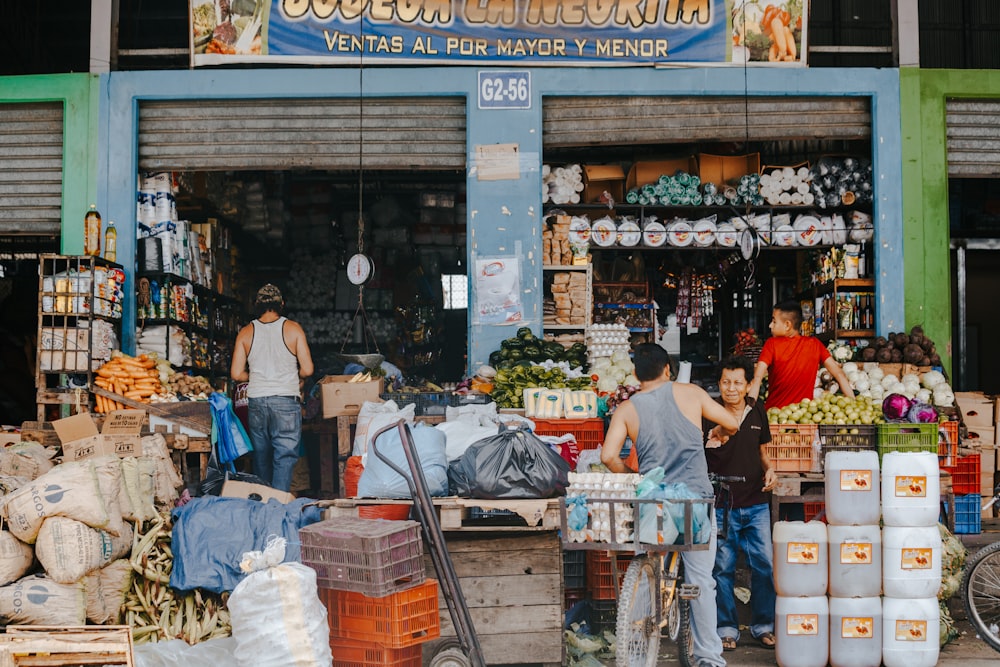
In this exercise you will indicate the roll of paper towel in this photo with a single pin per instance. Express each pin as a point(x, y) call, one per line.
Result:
point(684, 372)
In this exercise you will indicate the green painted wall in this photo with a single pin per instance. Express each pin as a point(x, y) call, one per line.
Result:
point(926, 233)
point(78, 94)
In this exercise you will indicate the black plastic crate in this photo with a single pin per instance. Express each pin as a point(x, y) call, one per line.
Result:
point(574, 569)
point(457, 400)
point(603, 615)
point(428, 403)
point(848, 437)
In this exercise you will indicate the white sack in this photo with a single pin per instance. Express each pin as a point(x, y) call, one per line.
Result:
point(70, 489)
point(106, 590)
point(37, 600)
point(16, 558)
point(68, 549)
point(375, 416)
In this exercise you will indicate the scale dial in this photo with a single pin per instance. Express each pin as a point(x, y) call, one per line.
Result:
point(360, 269)
point(749, 243)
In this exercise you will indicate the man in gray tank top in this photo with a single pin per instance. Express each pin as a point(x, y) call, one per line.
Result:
point(663, 421)
point(273, 357)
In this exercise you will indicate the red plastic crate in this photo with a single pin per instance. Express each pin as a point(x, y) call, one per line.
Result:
point(948, 445)
point(964, 474)
point(589, 433)
point(364, 555)
point(399, 620)
point(348, 653)
point(811, 510)
point(601, 584)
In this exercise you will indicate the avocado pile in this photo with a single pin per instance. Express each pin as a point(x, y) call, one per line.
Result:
point(525, 347)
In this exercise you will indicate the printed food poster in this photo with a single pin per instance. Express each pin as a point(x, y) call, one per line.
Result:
point(856, 553)
point(227, 27)
point(908, 486)
point(911, 631)
point(855, 480)
point(916, 559)
point(802, 624)
point(768, 31)
point(803, 553)
point(856, 627)
point(498, 291)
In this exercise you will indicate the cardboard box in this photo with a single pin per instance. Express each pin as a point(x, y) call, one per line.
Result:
point(61, 360)
point(340, 397)
point(121, 435)
point(234, 489)
point(73, 338)
point(727, 169)
point(977, 410)
point(600, 177)
point(644, 173)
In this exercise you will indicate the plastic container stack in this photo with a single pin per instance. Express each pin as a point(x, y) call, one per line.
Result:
point(911, 559)
point(802, 613)
point(852, 502)
point(371, 580)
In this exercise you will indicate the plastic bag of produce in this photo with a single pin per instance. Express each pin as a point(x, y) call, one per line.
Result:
point(380, 481)
point(16, 558)
point(376, 416)
point(106, 590)
point(672, 514)
point(71, 490)
point(462, 432)
point(513, 463)
point(37, 600)
point(68, 549)
point(276, 612)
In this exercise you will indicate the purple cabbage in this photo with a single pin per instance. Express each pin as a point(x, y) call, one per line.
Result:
point(895, 407)
point(921, 413)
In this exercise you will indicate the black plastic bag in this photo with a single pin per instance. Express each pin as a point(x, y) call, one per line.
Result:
point(512, 464)
point(216, 477)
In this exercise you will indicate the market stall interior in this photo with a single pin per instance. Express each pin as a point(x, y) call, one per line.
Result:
point(692, 243)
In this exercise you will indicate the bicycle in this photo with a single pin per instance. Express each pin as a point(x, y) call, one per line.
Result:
point(653, 594)
point(981, 588)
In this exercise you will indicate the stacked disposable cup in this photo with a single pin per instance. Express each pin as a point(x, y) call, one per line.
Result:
point(911, 555)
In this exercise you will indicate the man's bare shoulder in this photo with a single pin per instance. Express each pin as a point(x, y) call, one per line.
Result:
point(245, 332)
point(689, 391)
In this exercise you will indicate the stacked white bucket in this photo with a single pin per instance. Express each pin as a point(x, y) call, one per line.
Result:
point(911, 555)
point(852, 561)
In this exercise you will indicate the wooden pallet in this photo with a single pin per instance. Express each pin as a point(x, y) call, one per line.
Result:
point(195, 415)
point(456, 513)
point(54, 646)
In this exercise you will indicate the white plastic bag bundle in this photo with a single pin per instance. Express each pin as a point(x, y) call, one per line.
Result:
point(68, 549)
point(462, 432)
point(276, 614)
point(70, 490)
point(177, 653)
point(16, 558)
point(106, 590)
point(375, 416)
point(37, 600)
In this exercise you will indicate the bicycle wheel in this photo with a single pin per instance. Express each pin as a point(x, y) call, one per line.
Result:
point(981, 593)
point(685, 649)
point(637, 627)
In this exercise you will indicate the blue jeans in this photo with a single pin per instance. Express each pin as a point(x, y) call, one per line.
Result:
point(706, 644)
point(275, 431)
point(749, 531)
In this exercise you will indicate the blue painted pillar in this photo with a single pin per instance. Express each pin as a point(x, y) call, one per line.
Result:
point(504, 217)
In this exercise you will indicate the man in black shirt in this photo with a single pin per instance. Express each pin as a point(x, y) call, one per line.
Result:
point(749, 516)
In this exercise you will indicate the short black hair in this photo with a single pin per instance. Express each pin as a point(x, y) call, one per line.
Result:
point(261, 307)
point(650, 360)
point(792, 311)
point(733, 363)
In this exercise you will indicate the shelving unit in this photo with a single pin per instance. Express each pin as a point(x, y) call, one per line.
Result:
point(608, 301)
point(548, 272)
point(836, 290)
point(79, 324)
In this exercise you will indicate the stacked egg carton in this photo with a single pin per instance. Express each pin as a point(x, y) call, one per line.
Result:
point(603, 340)
point(595, 487)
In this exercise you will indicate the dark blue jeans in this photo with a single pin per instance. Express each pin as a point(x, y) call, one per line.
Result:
point(749, 531)
point(275, 431)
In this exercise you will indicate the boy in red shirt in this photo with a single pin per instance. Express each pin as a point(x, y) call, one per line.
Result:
point(790, 361)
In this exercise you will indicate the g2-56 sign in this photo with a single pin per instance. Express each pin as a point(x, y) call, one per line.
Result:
point(505, 89)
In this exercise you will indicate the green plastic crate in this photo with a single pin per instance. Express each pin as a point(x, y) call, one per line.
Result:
point(895, 437)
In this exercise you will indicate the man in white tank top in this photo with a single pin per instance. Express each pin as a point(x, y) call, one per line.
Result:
point(273, 357)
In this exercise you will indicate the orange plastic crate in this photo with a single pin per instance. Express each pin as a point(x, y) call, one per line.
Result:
point(964, 474)
point(589, 433)
point(348, 653)
point(948, 446)
point(398, 620)
point(791, 447)
point(601, 584)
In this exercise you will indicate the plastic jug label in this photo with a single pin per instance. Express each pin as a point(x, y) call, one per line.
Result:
point(855, 480)
point(802, 624)
point(856, 627)
point(911, 631)
point(856, 553)
point(916, 559)
point(803, 553)
point(910, 486)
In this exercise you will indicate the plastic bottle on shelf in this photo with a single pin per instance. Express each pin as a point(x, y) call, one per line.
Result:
point(92, 232)
point(111, 242)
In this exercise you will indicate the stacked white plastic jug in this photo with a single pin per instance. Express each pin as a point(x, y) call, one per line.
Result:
point(855, 582)
point(911, 558)
point(801, 611)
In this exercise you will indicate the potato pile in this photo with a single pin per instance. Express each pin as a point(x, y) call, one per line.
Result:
point(192, 386)
point(913, 348)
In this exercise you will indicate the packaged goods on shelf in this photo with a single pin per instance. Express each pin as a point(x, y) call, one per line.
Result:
point(562, 185)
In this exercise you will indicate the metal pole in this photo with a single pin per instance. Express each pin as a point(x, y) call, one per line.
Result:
point(960, 273)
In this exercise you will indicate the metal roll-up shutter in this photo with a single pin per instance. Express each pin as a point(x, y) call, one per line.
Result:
point(31, 151)
point(592, 121)
point(281, 134)
point(973, 138)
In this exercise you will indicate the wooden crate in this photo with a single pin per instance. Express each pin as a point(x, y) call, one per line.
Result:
point(512, 583)
point(40, 432)
point(54, 646)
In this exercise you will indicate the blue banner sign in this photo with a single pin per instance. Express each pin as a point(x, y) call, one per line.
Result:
point(525, 32)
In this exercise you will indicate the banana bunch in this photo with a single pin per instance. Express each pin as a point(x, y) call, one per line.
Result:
point(426, 387)
point(362, 377)
point(156, 612)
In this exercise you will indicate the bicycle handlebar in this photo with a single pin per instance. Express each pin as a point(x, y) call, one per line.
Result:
point(726, 478)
